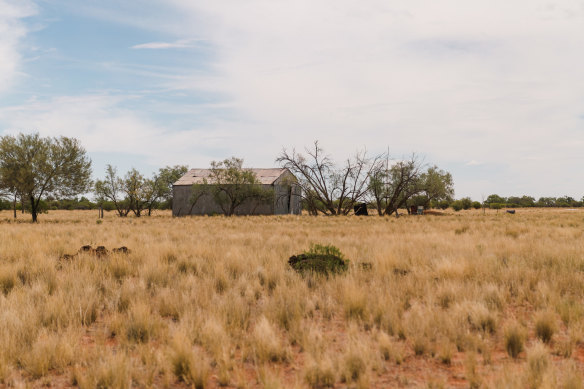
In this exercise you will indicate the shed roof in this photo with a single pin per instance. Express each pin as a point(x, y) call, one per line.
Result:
point(265, 176)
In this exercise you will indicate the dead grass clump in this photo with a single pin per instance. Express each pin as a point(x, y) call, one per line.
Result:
point(572, 377)
point(157, 275)
point(446, 297)
point(7, 280)
point(287, 310)
point(106, 371)
point(353, 366)
point(545, 326)
point(319, 373)
point(188, 365)
point(570, 311)
point(49, 352)
point(461, 230)
point(119, 268)
point(472, 375)
point(537, 364)
point(267, 344)
point(514, 340)
point(141, 324)
point(355, 303)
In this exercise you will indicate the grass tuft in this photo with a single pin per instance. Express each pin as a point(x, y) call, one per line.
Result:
point(545, 326)
point(514, 340)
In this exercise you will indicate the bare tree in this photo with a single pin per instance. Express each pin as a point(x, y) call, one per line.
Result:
point(325, 187)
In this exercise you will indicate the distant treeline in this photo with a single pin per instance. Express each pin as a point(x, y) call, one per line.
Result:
point(495, 201)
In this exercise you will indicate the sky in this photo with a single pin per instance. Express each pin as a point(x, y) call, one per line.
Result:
point(490, 90)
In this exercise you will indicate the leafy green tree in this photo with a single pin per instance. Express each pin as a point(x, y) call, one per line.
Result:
point(391, 187)
point(138, 190)
point(165, 178)
point(231, 185)
point(527, 201)
point(466, 203)
point(495, 199)
point(36, 167)
point(456, 205)
point(436, 185)
point(546, 202)
point(111, 189)
point(476, 205)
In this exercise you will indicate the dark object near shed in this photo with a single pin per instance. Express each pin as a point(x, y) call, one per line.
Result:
point(511, 211)
point(361, 209)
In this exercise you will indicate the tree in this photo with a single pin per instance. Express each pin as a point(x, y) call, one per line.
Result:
point(466, 203)
point(392, 186)
point(495, 199)
point(34, 167)
point(436, 185)
point(230, 186)
point(111, 188)
point(165, 178)
point(326, 188)
point(138, 190)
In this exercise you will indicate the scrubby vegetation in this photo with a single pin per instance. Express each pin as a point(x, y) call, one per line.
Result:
point(212, 301)
point(320, 259)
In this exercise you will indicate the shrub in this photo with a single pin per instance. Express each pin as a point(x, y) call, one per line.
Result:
point(456, 205)
point(466, 203)
point(322, 259)
point(476, 205)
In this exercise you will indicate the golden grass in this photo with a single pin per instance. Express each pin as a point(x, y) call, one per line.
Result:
point(211, 301)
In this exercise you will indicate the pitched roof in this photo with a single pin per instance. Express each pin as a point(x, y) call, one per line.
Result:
point(196, 176)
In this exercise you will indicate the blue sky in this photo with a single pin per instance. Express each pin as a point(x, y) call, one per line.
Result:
point(492, 91)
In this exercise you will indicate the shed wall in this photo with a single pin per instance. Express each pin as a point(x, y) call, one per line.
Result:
point(286, 200)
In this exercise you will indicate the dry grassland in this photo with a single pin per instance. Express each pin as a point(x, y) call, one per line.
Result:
point(451, 301)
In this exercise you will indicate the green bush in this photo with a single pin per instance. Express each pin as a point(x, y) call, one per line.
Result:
point(456, 205)
point(466, 202)
point(322, 259)
point(476, 205)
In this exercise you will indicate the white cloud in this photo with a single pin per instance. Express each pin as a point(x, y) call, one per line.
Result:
point(179, 44)
point(103, 126)
point(494, 81)
point(12, 30)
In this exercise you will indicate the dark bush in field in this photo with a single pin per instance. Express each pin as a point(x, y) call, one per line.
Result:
point(320, 259)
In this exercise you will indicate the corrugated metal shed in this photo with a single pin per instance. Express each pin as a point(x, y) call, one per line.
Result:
point(196, 176)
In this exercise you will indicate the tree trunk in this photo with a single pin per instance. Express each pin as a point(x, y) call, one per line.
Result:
point(33, 209)
point(14, 206)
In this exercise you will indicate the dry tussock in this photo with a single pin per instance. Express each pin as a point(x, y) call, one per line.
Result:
point(463, 299)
